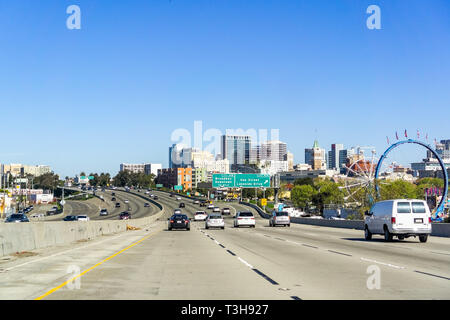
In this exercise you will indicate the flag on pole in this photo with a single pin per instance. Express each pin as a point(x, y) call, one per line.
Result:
point(396, 134)
point(406, 134)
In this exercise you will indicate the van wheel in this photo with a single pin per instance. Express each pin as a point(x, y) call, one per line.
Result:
point(401, 237)
point(423, 238)
point(367, 233)
point(387, 234)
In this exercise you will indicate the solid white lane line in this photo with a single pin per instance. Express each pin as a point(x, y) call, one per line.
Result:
point(245, 262)
point(383, 263)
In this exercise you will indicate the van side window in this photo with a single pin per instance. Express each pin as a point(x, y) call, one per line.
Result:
point(418, 207)
point(403, 207)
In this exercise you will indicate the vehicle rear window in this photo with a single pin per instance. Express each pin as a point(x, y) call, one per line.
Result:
point(215, 217)
point(180, 216)
point(418, 207)
point(403, 207)
point(245, 214)
point(16, 216)
point(282, 214)
point(199, 212)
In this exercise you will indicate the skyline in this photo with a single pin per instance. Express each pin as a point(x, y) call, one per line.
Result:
point(114, 91)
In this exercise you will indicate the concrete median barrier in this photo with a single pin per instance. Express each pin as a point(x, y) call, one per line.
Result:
point(438, 229)
point(18, 237)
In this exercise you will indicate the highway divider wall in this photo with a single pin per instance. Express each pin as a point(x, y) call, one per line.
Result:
point(27, 236)
point(437, 229)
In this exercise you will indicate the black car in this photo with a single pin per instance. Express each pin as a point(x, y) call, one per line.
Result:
point(113, 194)
point(203, 203)
point(146, 205)
point(171, 195)
point(113, 199)
point(125, 216)
point(155, 197)
point(182, 205)
point(179, 221)
point(70, 218)
point(17, 217)
point(118, 205)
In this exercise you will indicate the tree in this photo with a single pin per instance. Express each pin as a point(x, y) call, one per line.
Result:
point(303, 195)
point(398, 189)
point(303, 181)
point(47, 181)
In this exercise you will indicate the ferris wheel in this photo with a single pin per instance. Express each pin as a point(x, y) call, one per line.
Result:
point(359, 183)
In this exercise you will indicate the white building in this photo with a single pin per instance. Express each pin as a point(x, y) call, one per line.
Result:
point(273, 166)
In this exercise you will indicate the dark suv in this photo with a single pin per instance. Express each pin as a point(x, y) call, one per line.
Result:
point(179, 221)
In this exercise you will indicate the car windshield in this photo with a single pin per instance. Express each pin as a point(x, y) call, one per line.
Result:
point(403, 207)
point(245, 214)
point(282, 214)
point(82, 217)
point(16, 216)
point(418, 207)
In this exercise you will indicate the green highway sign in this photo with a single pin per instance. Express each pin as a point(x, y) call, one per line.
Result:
point(178, 187)
point(159, 185)
point(257, 180)
point(223, 181)
point(252, 180)
point(91, 177)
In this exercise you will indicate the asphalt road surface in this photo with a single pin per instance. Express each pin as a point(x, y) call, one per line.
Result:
point(297, 262)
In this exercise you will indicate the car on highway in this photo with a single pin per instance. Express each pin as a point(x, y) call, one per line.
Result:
point(113, 194)
point(215, 220)
point(16, 218)
point(200, 216)
point(117, 204)
point(279, 218)
point(104, 212)
point(171, 195)
point(196, 202)
point(113, 199)
point(70, 218)
point(146, 205)
point(244, 218)
point(178, 198)
point(216, 210)
point(155, 197)
point(226, 211)
point(203, 203)
point(210, 206)
point(401, 218)
point(179, 221)
point(177, 211)
point(125, 216)
point(126, 201)
point(182, 205)
point(82, 218)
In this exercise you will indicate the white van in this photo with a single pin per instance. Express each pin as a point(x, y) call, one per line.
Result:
point(402, 218)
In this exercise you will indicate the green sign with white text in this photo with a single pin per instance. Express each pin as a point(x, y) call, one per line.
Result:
point(256, 180)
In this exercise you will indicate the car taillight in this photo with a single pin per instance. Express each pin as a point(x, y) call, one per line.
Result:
point(393, 220)
point(253, 218)
point(171, 221)
point(429, 219)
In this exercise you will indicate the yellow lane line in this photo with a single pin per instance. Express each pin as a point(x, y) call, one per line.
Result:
point(93, 267)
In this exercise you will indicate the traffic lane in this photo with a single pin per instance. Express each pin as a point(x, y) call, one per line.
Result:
point(76, 208)
point(30, 277)
point(135, 206)
point(413, 255)
point(311, 272)
point(173, 265)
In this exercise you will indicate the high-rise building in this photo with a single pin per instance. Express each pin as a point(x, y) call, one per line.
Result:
point(290, 160)
point(175, 176)
point(236, 149)
point(176, 155)
point(334, 156)
point(315, 157)
point(147, 168)
point(273, 150)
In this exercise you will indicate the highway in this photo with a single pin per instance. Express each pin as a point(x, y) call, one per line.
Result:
point(91, 208)
point(299, 262)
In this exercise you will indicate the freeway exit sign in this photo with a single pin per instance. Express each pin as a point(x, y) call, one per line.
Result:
point(223, 180)
point(256, 180)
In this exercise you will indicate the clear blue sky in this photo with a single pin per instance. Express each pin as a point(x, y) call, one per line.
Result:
point(115, 90)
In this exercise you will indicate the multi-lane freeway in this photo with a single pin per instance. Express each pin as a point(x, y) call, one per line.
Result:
point(300, 262)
